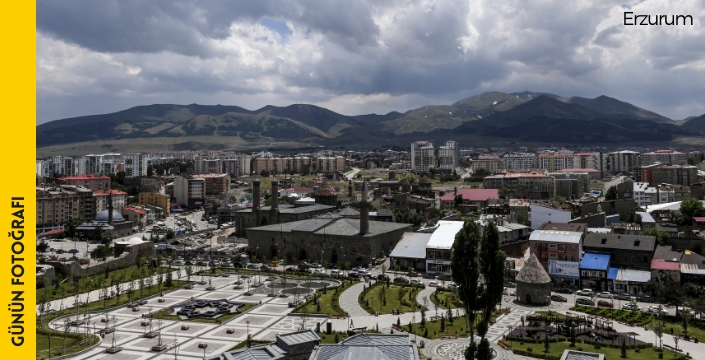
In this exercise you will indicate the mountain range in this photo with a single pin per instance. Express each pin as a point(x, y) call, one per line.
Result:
point(488, 117)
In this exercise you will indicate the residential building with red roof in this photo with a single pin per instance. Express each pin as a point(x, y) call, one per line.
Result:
point(473, 197)
point(92, 182)
point(100, 200)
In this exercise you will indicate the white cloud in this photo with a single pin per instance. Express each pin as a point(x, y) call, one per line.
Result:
point(362, 56)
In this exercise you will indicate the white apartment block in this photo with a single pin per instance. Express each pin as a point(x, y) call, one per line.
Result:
point(644, 195)
point(449, 155)
point(135, 164)
point(623, 161)
point(520, 161)
point(422, 156)
point(555, 161)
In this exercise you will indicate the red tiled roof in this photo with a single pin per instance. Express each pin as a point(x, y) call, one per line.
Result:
point(139, 211)
point(51, 232)
point(473, 195)
point(661, 264)
point(699, 219)
point(85, 177)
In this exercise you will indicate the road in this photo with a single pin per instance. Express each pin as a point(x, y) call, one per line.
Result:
point(352, 173)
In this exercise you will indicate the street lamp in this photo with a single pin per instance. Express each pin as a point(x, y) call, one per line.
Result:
point(248, 333)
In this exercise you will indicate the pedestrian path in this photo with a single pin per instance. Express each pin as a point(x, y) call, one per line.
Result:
point(505, 323)
point(426, 292)
point(349, 301)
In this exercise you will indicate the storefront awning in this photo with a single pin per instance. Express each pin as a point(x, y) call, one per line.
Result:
point(633, 275)
point(612, 274)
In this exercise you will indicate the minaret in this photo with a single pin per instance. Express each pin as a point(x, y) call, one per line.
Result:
point(364, 212)
point(274, 209)
point(255, 200)
point(350, 191)
point(110, 207)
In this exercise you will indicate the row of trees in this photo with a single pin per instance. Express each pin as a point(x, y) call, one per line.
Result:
point(478, 267)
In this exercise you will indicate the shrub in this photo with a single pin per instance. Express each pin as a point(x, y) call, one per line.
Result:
point(580, 348)
point(529, 349)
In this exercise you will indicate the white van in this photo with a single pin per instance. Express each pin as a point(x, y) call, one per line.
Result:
point(336, 272)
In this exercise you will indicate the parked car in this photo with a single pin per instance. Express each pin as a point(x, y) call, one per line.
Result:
point(622, 296)
point(358, 268)
point(252, 266)
point(605, 303)
point(416, 282)
point(631, 307)
point(354, 275)
point(401, 280)
point(414, 273)
point(558, 298)
point(584, 301)
point(584, 292)
point(60, 251)
point(564, 290)
point(291, 269)
point(644, 298)
point(655, 310)
point(605, 295)
point(319, 271)
point(336, 272)
point(432, 284)
point(382, 277)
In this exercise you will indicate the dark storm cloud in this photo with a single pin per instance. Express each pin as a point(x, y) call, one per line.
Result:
point(359, 56)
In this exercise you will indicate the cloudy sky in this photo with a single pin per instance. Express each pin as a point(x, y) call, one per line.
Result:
point(358, 57)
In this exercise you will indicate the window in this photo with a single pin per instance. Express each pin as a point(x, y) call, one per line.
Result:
point(552, 247)
point(552, 256)
point(543, 256)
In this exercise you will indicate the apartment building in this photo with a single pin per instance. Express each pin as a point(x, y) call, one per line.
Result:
point(523, 185)
point(675, 175)
point(589, 160)
point(645, 195)
point(92, 182)
point(422, 156)
point(555, 161)
point(209, 166)
point(667, 157)
point(623, 161)
point(190, 191)
point(559, 251)
point(155, 199)
point(55, 207)
point(135, 164)
point(449, 156)
point(491, 163)
point(520, 161)
point(100, 200)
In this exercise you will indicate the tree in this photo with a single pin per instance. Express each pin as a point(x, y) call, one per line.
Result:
point(170, 234)
point(559, 199)
point(658, 330)
point(101, 252)
point(150, 170)
point(503, 193)
point(624, 348)
point(465, 266)
point(632, 213)
point(611, 193)
point(492, 268)
point(43, 246)
point(189, 272)
point(458, 200)
point(691, 208)
point(662, 237)
point(523, 216)
point(546, 343)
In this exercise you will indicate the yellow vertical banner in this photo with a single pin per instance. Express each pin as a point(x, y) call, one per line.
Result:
point(17, 190)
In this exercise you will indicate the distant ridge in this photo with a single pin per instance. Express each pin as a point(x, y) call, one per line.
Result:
point(520, 116)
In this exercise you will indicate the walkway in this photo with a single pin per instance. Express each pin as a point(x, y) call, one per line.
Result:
point(349, 301)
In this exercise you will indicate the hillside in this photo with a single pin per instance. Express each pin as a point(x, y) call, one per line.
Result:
point(525, 116)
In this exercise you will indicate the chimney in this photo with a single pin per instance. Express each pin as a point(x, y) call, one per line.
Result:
point(364, 212)
point(274, 209)
point(110, 207)
point(255, 201)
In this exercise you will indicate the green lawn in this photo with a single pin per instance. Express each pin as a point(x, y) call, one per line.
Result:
point(445, 300)
point(556, 351)
point(397, 298)
point(95, 282)
point(162, 314)
point(433, 328)
point(74, 343)
point(57, 337)
point(329, 302)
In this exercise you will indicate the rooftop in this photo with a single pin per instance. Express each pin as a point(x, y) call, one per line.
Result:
point(473, 195)
point(620, 241)
point(571, 237)
point(332, 225)
point(576, 227)
point(593, 261)
point(411, 246)
point(444, 235)
point(533, 272)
